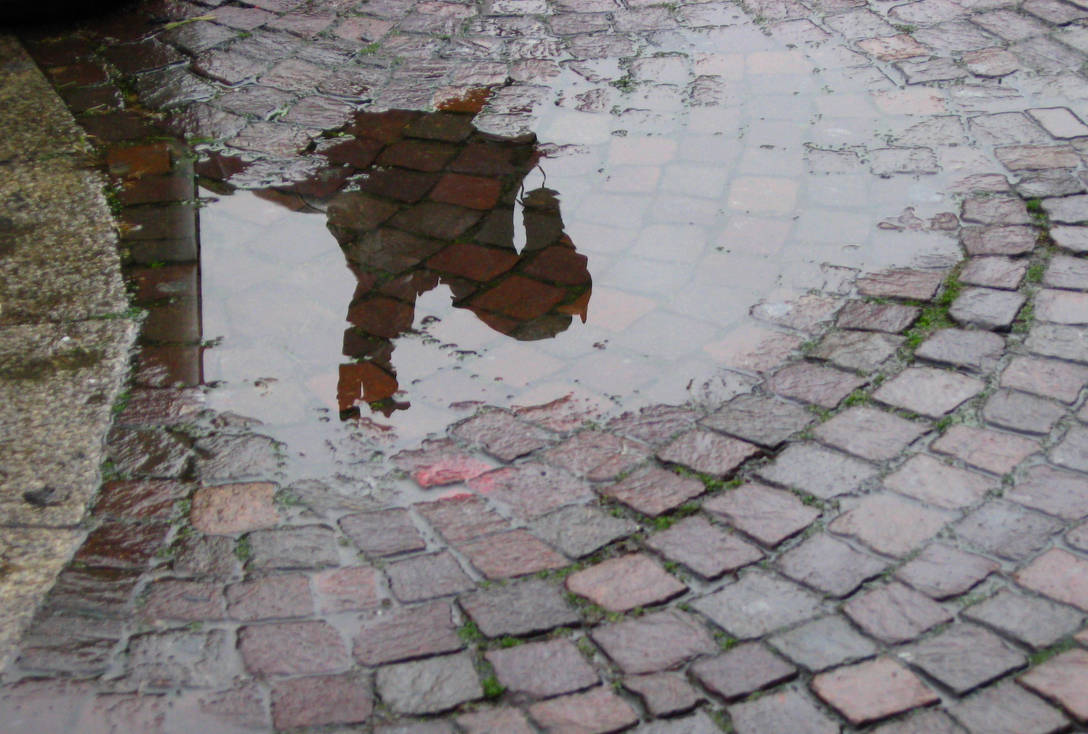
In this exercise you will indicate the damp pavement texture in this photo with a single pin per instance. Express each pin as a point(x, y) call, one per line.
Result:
point(870, 517)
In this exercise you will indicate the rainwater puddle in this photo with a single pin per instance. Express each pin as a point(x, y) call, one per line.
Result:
point(428, 268)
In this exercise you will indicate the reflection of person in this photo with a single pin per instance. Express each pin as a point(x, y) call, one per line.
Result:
point(439, 206)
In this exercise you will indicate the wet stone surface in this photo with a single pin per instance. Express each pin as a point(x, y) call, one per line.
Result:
point(651, 382)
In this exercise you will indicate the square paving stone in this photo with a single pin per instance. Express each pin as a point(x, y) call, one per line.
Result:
point(758, 603)
point(427, 577)
point(894, 613)
point(1064, 679)
point(182, 658)
point(580, 530)
point(852, 350)
point(986, 308)
point(462, 517)
point(1053, 491)
point(869, 433)
point(597, 712)
point(292, 647)
point(663, 694)
point(761, 419)
point(1008, 530)
point(993, 451)
point(978, 351)
point(706, 549)
point(742, 670)
point(519, 609)
point(515, 553)
point(531, 489)
point(654, 642)
point(707, 452)
point(964, 657)
point(653, 490)
point(310, 546)
point(1049, 378)
point(234, 508)
point(890, 525)
point(321, 700)
point(486, 721)
point(429, 686)
point(812, 383)
point(823, 643)
point(1022, 412)
point(935, 483)
point(768, 515)
point(994, 272)
point(384, 533)
point(818, 471)
point(1060, 575)
point(781, 711)
point(872, 690)
point(1006, 708)
point(391, 636)
point(829, 565)
point(942, 572)
point(542, 669)
point(621, 584)
point(928, 391)
point(502, 435)
point(1036, 622)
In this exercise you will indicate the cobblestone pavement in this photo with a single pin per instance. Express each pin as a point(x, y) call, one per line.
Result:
point(876, 521)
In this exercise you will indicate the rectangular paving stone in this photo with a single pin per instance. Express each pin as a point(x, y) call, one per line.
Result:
point(785, 710)
point(738, 672)
point(462, 517)
point(1059, 575)
point(502, 435)
point(653, 490)
point(509, 554)
point(1022, 412)
point(1045, 377)
point(1057, 340)
point(519, 609)
point(768, 515)
point(1006, 708)
point(864, 351)
point(811, 383)
point(1064, 271)
point(978, 351)
point(872, 690)
point(185, 658)
point(941, 571)
point(992, 451)
point(309, 546)
point(542, 669)
point(869, 433)
point(597, 455)
point(1008, 530)
point(994, 272)
point(292, 647)
point(891, 318)
point(597, 712)
point(579, 530)
point(818, 471)
point(486, 721)
point(823, 643)
point(986, 308)
point(1031, 620)
point(1067, 209)
point(654, 642)
point(531, 489)
point(928, 391)
point(706, 549)
point(1014, 240)
point(427, 577)
point(707, 452)
point(1060, 122)
point(1063, 679)
point(281, 595)
point(1072, 452)
point(889, 524)
point(928, 721)
point(894, 613)
point(321, 700)
point(1061, 307)
point(761, 419)
point(829, 565)
point(936, 483)
point(429, 686)
point(409, 632)
point(384, 533)
point(621, 584)
point(964, 657)
point(995, 210)
point(758, 603)
point(917, 285)
point(1055, 492)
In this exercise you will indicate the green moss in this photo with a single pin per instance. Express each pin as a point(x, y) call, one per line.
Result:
point(1057, 648)
point(243, 551)
point(469, 633)
point(492, 688)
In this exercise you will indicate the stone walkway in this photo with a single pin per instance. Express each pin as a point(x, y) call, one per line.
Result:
point(884, 530)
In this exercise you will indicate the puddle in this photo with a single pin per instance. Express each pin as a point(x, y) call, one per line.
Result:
point(425, 268)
